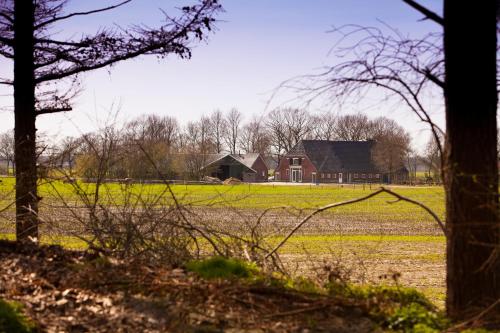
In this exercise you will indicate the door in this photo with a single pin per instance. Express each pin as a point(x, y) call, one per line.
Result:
point(340, 177)
point(296, 175)
point(313, 177)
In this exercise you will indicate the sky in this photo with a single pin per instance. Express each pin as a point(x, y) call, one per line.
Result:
point(258, 44)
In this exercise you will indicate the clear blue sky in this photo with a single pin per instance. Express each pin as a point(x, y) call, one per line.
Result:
point(259, 44)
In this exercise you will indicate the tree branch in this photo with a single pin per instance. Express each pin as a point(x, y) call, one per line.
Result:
point(434, 79)
point(7, 41)
point(53, 110)
point(7, 17)
point(63, 43)
point(427, 13)
point(348, 202)
point(60, 18)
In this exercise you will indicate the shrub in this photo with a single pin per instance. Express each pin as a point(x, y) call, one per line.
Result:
point(12, 319)
point(220, 267)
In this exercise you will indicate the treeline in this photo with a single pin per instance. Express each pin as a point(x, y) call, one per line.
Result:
point(152, 146)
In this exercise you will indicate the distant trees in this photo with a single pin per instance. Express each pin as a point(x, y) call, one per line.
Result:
point(432, 159)
point(392, 146)
point(151, 141)
point(7, 149)
point(233, 126)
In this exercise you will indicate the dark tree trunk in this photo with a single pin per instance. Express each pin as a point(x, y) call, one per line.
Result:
point(471, 170)
point(24, 128)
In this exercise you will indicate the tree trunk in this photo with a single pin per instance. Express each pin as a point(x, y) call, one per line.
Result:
point(24, 128)
point(471, 170)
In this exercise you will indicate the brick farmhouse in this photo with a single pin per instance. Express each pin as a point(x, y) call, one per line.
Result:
point(321, 161)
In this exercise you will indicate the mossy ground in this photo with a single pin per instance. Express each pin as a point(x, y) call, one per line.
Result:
point(12, 319)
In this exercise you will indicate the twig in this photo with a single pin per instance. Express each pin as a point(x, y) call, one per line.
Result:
point(294, 312)
point(475, 318)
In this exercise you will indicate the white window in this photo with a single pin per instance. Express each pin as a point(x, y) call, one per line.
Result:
point(328, 175)
point(334, 175)
point(295, 161)
point(377, 175)
point(263, 173)
point(363, 175)
point(322, 175)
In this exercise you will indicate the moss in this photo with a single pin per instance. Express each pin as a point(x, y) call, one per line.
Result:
point(220, 267)
point(396, 308)
point(12, 319)
point(415, 317)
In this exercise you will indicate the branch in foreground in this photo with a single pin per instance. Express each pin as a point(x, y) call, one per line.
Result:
point(428, 13)
point(348, 202)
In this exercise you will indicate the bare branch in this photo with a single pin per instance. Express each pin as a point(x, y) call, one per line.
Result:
point(349, 202)
point(428, 13)
point(60, 18)
point(7, 17)
point(53, 110)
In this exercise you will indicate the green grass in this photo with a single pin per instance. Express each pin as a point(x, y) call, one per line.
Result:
point(12, 319)
point(67, 242)
point(221, 268)
point(246, 196)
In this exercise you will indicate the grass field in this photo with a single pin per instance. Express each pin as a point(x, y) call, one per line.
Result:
point(369, 240)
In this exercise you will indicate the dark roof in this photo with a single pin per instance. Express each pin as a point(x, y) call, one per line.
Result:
point(337, 155)
point(247, 160)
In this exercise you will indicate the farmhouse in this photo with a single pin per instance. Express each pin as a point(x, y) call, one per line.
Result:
point(321, 161)
point(246, 167)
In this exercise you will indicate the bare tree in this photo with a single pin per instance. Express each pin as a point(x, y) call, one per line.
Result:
point(324, 126)
point(432, 159)
point(254, 137)
point(392, 146)
point(7, 149)
point(40, 60)
point(354, 127)
point(233, 121)
point(409, 69)
point(471, 169)
point(217, 128)
point(67, 151)
point(275, 124)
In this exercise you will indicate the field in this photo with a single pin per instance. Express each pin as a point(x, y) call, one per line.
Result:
point(371, 241)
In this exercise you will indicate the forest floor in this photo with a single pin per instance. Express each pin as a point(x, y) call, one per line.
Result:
point(66, 291)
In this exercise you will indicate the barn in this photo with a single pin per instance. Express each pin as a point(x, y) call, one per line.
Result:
point(248, 167)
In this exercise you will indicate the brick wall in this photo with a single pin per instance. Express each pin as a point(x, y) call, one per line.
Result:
point(307, 169)
point(261, 168)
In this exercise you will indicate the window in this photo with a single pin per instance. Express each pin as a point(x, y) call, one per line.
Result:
point(277, 176)
point(334, 175)
point(263, 173)
point(377, 175)
point(370, 175)
point(287, 172)
point(355, 175)
point(363, 175)
point(322, 175)
point(295, 161)
point(327, 175)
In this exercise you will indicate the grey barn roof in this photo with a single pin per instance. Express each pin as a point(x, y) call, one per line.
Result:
point(246, 159)
point(337, 155)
